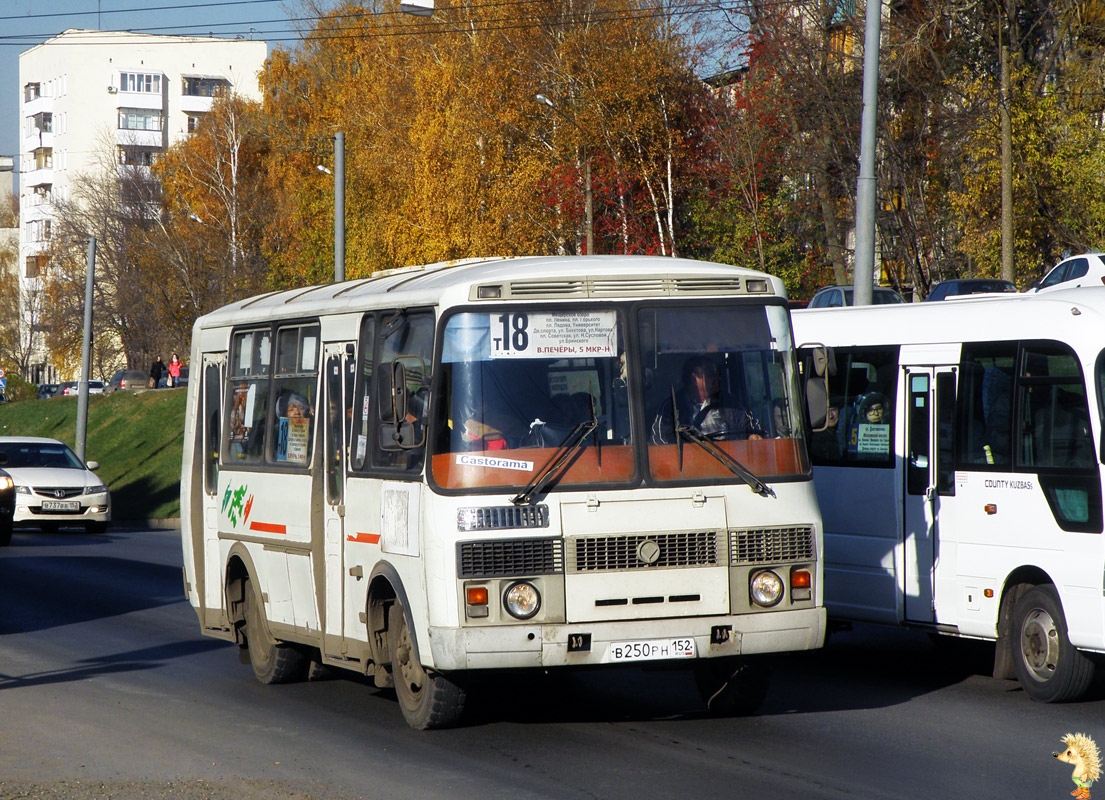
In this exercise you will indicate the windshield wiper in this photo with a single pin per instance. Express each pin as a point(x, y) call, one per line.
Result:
point(734, 466)
point(561, 458)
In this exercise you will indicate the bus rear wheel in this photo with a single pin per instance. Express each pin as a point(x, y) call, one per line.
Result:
point(1049, 668)
point(272, 661)
point(428, 699)
point(732, 687)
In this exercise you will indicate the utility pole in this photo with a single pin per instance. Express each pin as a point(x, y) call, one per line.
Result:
point(339, 207)
point(863, 273)
point(86, 349)
point(1007, 270)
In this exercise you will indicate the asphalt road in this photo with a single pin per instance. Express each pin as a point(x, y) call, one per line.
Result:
point(107, 690)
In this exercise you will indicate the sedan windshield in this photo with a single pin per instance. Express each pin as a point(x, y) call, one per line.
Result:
point(28, 455)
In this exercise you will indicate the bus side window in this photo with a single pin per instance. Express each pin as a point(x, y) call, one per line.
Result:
point(859, 421)
point(361, 416)
point(248, 382)
point(986, 403)
point(406, 338)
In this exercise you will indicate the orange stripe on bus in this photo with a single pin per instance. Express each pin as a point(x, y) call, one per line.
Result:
point(267, 527)
point(366, 538)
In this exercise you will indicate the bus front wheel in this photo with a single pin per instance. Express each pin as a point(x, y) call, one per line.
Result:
point(1049, 668)
point(428, 699)
point(272, 661)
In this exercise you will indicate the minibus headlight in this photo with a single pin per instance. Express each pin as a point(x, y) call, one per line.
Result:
point(766, 588)
point(522, 600)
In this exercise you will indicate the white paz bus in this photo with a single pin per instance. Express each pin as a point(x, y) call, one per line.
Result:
point(957, 451)
point(489, 465)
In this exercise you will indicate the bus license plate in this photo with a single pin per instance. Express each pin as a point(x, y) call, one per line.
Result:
point(60, 505)
point(651, 650)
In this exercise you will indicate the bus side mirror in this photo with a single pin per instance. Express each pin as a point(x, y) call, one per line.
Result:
point(393, 393)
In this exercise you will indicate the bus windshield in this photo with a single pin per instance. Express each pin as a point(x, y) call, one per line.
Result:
point(518, 386)
point(720, 372)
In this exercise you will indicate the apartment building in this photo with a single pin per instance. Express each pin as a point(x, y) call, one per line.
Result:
point(85, 92)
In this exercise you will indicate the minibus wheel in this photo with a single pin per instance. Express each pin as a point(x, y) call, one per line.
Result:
point(1049, 668)
point(428, 699)
point(272, 661)
point(731, 687)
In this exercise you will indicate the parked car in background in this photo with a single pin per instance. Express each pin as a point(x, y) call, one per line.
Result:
point(52, 486)
point(129, 379)
point(1087, 269)
point(840, 296)
point(72, 388)
point(46, 390)
point(7, 507)
point(961, 286)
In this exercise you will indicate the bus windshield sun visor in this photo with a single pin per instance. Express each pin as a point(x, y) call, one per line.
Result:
point(561, 458)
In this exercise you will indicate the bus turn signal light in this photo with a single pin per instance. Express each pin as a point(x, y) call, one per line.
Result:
point(801, 584)
point(477, 595)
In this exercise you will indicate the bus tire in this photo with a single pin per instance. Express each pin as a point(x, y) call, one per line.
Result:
point(428, 700)
point(1049, 668)
point(732, 687)
point(272, 661)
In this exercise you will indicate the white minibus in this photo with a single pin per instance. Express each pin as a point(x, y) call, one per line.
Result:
point(957, 458)
point(491, 464)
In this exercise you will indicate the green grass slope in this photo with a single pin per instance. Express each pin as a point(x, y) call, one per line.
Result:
point(136, 437)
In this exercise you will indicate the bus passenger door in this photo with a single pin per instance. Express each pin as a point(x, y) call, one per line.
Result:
point(210, 424)
point(929, 471)
point(339, 362)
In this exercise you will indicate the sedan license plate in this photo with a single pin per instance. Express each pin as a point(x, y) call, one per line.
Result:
point(651, 650)
point(61, 505)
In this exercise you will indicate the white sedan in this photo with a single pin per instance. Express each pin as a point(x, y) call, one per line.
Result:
point(52, 486)
point(1087, 269)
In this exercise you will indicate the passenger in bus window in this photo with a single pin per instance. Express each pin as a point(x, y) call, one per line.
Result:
point(703, 406)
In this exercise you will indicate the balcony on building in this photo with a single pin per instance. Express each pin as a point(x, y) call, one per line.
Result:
point(39, 167)
point(38, 131)
point(34, 102)
point(198, 92)
point(141, 127)
point(144, 90)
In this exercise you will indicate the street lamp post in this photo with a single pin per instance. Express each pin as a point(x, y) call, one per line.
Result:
point(339, 205)
point(588, 205)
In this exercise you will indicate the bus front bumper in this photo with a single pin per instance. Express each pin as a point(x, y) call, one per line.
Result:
point(561, 645)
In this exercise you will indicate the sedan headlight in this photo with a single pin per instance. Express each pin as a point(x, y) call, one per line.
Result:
point(522, 600)
point(21, 489)
point(100, 489)
point(6, 482)
point(766, 588)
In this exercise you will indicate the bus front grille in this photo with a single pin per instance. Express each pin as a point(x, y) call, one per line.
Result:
point(643, 551)
point(771, 545)
point(505, 558)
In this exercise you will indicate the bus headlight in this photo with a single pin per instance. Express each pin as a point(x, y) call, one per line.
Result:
point(522, 600)
point(766, 588)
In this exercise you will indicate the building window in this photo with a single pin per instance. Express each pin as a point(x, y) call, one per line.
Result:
point(44, 122)
point(44, 158)
point(36, 265)
point(205, 87)
point(32, 91)
point(194, 121)
point(139, 119)
point(38, 230)
point(146, 83)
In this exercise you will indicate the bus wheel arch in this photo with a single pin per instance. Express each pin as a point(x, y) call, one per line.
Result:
point(1033, 634)
point(273, 661)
